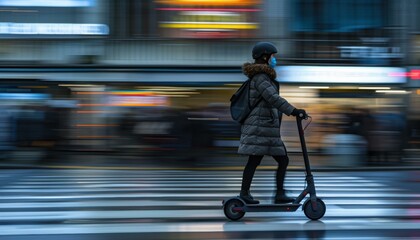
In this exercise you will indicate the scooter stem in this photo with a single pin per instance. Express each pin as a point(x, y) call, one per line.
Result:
point(310, 189)
point(303, 144)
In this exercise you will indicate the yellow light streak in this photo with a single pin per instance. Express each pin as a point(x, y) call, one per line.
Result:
point(209, 25)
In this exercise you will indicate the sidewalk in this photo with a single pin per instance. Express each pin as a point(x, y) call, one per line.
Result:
point(113, 161)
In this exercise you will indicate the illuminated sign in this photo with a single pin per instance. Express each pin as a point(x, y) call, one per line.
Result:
point(414, 75)
point(53, 29)
point(138, 101)
point(372, 48)
point(370, 52)
point(24, 96)
point(348, 75)
point(210, 2)
point(47, 3)
point(208, 18)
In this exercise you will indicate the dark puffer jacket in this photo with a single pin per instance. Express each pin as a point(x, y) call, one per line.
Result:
point(260, 132)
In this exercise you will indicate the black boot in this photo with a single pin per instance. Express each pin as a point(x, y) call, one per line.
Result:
point(247, 197)
point(281, 197)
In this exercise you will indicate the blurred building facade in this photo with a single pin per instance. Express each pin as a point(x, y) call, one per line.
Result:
point(132, 73)
point(178, 33)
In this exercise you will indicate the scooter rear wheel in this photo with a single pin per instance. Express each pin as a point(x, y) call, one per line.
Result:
point(230, 205)
point(311, 213)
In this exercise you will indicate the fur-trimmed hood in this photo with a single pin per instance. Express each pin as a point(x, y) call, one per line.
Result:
point(252, 69)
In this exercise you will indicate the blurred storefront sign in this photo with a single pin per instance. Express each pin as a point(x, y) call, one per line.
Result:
point(360, 51)
point(51, 19)
point(413, 75)
point(47, 3)
point(210, 2)
point(208, 19)
point(338, 75)
point(23, 96)
point(370, 52)
point(131, 101)
point(53, 29)
point(371, 48)
point(137, 99)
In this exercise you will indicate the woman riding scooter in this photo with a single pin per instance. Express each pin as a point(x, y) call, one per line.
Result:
point(260, 132)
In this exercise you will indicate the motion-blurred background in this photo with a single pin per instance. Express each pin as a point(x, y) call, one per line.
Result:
point(149, 82)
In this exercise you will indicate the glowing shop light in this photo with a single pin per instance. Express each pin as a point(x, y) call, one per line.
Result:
point(335, 74)
point(393, 91)
point(210, 2)
point(210, 13)
point(53, 29)
point(374, 88)
point(47, 3)
point(413, 74)
point(211, 9)
point(314, 87)
point(209, 25)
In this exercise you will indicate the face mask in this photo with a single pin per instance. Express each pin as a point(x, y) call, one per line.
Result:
point(272, 62)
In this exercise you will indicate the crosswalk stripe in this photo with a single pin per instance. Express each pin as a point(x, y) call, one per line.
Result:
point(176, 199)
point(186, 189)
point(188, 214)
point(199, 227)
point(201, 195)
point(188, 203)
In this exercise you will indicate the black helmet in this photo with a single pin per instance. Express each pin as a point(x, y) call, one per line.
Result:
point(263, 48)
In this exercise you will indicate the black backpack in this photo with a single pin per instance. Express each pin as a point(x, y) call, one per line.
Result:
point(239, 103)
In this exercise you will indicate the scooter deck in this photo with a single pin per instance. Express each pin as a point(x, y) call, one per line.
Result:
point(268, 208)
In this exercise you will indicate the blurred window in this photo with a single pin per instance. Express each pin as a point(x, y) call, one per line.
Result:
point(133, 18)
point(338, 15)
point(416, 14)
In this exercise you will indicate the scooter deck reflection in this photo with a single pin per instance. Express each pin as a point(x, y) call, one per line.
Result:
point(266, 207)
point(269, 207)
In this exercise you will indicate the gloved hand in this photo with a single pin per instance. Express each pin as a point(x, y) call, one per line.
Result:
point(299, 112)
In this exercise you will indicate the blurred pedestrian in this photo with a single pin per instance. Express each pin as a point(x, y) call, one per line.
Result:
point(260, 132)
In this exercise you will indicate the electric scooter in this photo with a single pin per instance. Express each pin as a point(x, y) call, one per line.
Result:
point(314, 208)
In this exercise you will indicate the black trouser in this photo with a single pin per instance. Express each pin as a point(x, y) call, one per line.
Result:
point(251, 166)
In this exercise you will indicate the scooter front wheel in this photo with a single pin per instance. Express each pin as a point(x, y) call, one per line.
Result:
point(229, 209)
point(313, 214)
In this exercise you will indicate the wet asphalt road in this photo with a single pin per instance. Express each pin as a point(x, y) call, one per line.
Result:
point(163, 204)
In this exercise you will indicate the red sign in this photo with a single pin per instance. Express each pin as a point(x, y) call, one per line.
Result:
point(414, 74)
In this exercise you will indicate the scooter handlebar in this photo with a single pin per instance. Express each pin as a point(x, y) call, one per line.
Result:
point(303, 116)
